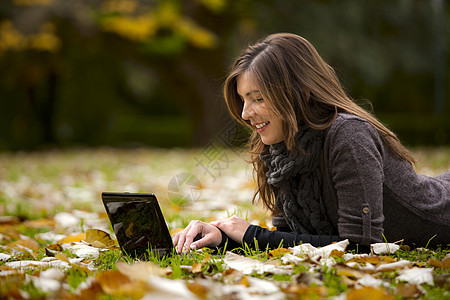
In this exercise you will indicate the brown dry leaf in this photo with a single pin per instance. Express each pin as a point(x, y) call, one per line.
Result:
point(368, 293)
point(81, 269)
point(6, 268)
point(206, 259)
point(199, 289)
point(55, 247)
point(276, 253)
point(336, 253)
point(116, 283)
point(374, 260)
point(73, 238)
point(9, 220)
point(27, 243)
point(94, 291)
point(140, 270)
point(302, 291)
point(434, 263)
point(244, 281)
point(197, 268)
point(62, 256)
point(387, 259)
point(407, 290)
point(343, 270)
point(40, 223)
point(445, 264)
point(99, 238)
point(232, 275)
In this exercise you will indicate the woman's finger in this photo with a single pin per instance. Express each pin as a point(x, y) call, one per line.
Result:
point(180, 238)
point(196, 229)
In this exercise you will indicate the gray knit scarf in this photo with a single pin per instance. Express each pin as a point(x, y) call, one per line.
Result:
point(297, 181)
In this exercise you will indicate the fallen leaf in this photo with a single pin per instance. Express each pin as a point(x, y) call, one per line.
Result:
point(401, 264)
point(380, 248)
point(63, 257)
point(324, 252)
point(9, 220)
point(343, 270)
point(4, 256)
point(73, 238)
point(290, 258)
point(302, 291)
point(27, 243)
point(445, 264)
point(99, 238)
point(337, 253)
point(206, 259)
point(116, 283)
point(141, 270)
point(244, 281)
point(198, 288)
point(368, 293)
point(416, 276)
point(408, 290)
point(40, 223)
point(249, 265)
point(276, 253)
point(197, 267)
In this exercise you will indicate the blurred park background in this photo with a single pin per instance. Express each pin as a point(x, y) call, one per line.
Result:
point(129, 73)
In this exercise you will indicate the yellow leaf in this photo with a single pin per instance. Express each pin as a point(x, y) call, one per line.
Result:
point(117, 284)
point(303, 291)
point(73, 238)
point(368, 293)
point(63, 257)
point(244, 281)
point(140, 270)
point(99, 238)
point(27, 243)
point(336, 253)
point(343, 270)
point(197, 268)
point(199, 289)
point(276, 253)
point(407, 291)
point(206, 259)
point(445, 264)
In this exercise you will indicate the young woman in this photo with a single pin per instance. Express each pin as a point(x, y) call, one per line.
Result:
point(327, 169)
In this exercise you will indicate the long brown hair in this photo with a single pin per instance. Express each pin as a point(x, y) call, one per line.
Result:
point(300, 87)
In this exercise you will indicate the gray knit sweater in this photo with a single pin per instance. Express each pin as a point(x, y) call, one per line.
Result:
point(369, 192)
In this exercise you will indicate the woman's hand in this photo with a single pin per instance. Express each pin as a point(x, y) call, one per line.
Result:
point(234, 227)
point(210, 236)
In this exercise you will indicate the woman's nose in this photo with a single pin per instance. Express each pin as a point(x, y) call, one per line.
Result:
point(247, 111)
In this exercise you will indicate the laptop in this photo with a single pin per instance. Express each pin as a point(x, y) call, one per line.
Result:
point(138, 224)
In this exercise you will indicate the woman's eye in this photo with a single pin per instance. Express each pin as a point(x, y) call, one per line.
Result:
point(259, 100)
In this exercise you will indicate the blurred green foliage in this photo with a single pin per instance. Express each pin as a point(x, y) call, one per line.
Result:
point(129, 72)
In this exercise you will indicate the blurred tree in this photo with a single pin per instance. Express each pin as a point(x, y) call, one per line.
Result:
point(394, 53)
point(62, 58)
point(114, 71)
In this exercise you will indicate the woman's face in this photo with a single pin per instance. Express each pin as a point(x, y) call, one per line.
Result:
point(256, 111)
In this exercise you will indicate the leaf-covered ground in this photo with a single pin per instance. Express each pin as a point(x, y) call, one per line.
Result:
point(56, 241)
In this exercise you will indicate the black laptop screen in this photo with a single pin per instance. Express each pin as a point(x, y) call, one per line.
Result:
point(138, 224)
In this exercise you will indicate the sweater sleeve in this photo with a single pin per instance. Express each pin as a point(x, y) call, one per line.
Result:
point(273, 239)
point(357, 172)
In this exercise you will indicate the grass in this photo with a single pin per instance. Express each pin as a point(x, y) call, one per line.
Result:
point(37, 186)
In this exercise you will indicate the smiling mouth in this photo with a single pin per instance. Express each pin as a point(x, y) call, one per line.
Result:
point(261, 126)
